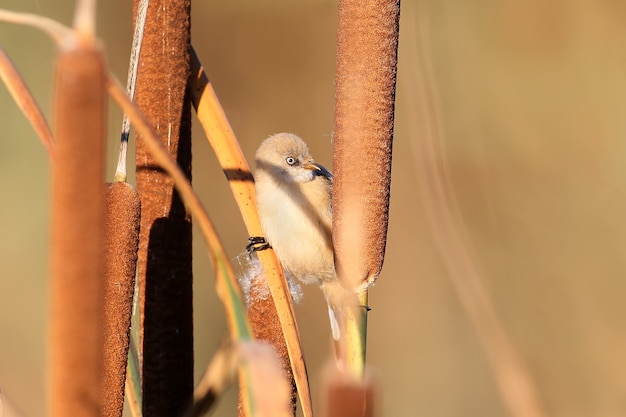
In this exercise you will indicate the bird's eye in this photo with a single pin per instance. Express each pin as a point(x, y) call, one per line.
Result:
point(291, 160)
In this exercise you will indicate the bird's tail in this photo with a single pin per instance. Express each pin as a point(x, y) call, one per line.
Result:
point(334, 322)
point(338, 298)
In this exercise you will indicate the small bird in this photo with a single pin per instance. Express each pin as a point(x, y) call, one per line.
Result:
point(294, 200)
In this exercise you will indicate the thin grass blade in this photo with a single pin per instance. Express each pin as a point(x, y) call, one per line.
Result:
point(133, 380)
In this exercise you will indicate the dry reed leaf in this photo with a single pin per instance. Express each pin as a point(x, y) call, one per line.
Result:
point(229, 154)
point(217, 377)
point(26, 102)
point(61, 34)
point(258, 360)
point(223, 141)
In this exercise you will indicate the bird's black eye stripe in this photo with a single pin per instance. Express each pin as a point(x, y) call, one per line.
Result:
point(291, 160)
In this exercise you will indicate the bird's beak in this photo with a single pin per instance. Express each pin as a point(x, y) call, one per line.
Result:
point(319, 169)
point(312, 166)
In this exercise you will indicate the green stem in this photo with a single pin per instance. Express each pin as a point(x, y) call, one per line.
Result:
point(356, 336)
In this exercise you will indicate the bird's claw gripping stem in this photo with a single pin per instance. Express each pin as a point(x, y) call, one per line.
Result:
point(256, 244)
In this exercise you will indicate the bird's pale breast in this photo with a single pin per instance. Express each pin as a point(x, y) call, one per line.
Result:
point(297, 223)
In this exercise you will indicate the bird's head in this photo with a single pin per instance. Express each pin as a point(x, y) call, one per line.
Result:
point(286, 158)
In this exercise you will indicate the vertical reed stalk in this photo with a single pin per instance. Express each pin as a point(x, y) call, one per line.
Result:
point(165, 247)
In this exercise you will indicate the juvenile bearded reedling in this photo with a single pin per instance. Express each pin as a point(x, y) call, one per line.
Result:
point(294, 199)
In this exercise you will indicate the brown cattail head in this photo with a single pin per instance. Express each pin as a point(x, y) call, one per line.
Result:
point(345, 396)
point(122, 239)
point(77, 234)
point(165, 276)
point(266, 327)
point(367, 40)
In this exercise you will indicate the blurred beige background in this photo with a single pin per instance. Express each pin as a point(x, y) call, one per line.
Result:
point(532, 98)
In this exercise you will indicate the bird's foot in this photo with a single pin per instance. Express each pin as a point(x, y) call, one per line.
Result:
point(256, 244)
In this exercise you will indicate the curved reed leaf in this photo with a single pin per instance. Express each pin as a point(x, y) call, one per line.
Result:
point(25, 101)
point(229, 154)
